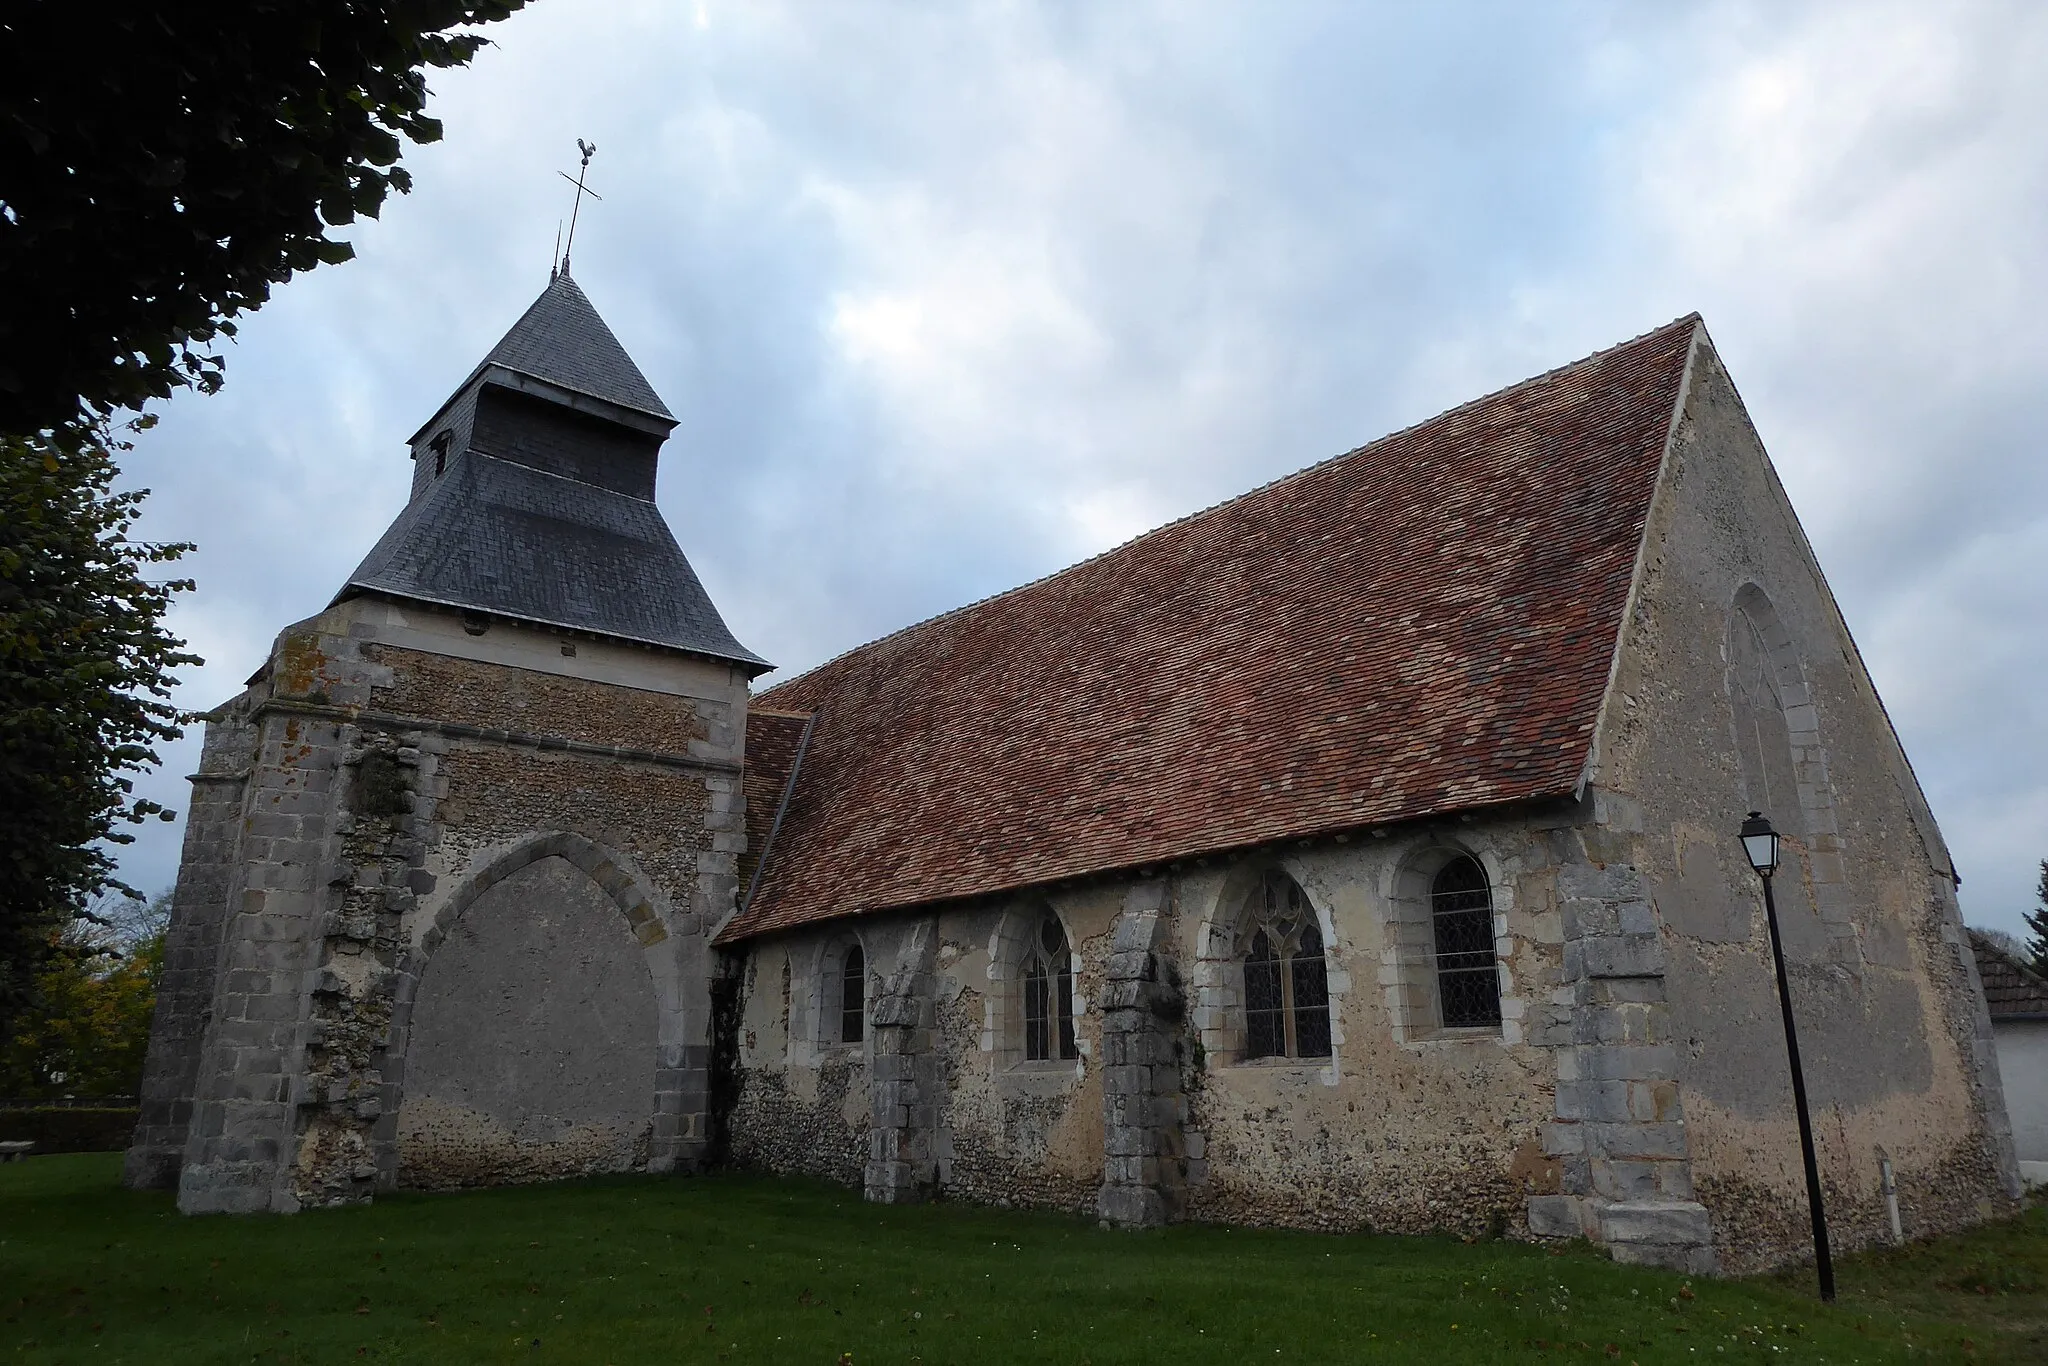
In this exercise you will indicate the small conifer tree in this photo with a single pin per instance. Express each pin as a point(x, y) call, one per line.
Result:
point(2037, 924)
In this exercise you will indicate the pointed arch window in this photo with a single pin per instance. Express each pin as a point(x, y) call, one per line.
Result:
point(1467, 971)
point(853, 987)
point(1286, 979)
point(1049, 995)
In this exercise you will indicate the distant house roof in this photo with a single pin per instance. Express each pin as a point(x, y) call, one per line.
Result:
point(560, 339)
point(1423, 625)
point(2012, 990)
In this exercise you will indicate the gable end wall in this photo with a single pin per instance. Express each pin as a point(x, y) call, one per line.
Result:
point(1893, 1031)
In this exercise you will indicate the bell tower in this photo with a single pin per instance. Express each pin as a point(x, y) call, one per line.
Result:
point(456, 854)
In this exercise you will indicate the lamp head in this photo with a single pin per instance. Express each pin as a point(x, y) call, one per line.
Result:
point(1760, 844)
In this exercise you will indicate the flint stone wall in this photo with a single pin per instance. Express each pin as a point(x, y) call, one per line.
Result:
point(1432, 1131)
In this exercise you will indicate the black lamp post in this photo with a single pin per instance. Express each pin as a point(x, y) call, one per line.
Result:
point(1760, 843)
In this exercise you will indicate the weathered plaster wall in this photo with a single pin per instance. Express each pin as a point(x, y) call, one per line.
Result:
point(402, 769)
point(1892, 1023)
point(1408, 1127)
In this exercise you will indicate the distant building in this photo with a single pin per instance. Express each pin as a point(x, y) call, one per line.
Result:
point(2018, 1000)
point(1357, 852)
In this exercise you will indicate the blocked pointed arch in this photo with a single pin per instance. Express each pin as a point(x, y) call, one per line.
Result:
point(1781, 758)
point(647, 913)
point(1775, 720)
point(636, 896)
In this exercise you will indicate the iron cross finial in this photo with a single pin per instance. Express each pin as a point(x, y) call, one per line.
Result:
point(589, 150)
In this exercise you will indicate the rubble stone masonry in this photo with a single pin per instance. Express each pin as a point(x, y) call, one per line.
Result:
point(565, 812)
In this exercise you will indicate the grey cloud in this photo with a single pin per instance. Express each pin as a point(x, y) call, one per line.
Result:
point(949, 297)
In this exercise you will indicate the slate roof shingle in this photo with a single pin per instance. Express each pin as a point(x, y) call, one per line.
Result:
point(2011, 989)
point(1423, 625)
point(494, 536)
point(562, 340)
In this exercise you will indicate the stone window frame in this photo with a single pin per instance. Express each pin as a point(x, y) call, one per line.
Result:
point(822, 996)
point(1812, 830)
point(648, 914)
point(1262, 920)
point(1408, 967)
point(1218, 987)
point(1011, 943)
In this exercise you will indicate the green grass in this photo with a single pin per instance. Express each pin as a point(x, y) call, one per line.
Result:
point(746, 1269)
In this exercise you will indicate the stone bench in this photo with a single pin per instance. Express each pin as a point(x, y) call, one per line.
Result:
point(16, 1149)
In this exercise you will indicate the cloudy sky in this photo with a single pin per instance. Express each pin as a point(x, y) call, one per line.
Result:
point(949, 296)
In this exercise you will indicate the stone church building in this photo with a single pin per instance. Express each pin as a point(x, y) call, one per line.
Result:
point(1359, 852)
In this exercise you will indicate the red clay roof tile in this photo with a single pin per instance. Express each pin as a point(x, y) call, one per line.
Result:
point(1422, 625)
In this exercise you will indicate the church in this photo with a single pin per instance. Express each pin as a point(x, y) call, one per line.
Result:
point(1360, 852)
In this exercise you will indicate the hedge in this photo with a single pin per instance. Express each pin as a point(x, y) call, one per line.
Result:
point(68, 1129)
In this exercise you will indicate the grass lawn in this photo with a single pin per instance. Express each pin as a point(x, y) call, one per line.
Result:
point(746, 1269)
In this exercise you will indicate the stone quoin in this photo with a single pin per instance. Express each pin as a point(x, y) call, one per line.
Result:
point(1358, 852)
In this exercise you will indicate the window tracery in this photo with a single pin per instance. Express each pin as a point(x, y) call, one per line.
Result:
point(1049, 995)
point(1286, 978)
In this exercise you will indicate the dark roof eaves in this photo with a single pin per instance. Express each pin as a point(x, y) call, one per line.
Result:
point(731, 935)
point(744, 657)
point(626, 414)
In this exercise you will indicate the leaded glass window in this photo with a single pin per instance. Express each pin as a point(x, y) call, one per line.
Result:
point(853, 984)
point(1467, 973)
point(1286, 980)
point(1049, 995)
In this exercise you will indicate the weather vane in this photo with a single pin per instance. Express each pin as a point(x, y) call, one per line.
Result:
point(589, 150)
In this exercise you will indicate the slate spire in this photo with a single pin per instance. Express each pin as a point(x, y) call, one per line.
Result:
point(561, 340)
point(533, 494)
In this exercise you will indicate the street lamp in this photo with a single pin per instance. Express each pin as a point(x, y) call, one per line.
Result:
point(1760, 844)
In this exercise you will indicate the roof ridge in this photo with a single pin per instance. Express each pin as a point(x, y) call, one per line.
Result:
point(1693, 318)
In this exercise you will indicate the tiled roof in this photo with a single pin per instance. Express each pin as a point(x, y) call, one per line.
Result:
point(2011, 990)
point(772, 740)
point(562, 340)
point(499, 537)
point(1423, 625)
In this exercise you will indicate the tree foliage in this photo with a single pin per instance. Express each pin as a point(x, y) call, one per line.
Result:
point(85, 677)
point(88, 1029)
point(2037, 924)
point(162, 166)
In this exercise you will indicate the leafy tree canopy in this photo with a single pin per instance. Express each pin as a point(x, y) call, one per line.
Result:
point(85, 678)
point(88, 1030)
point(163, 165)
